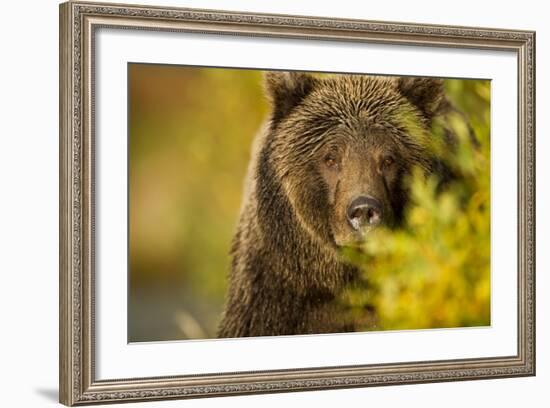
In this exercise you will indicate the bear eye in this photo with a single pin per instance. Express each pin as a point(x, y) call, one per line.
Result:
point(330, 161)
point(388, 161)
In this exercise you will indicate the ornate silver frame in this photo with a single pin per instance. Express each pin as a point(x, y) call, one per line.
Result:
point(78, 22)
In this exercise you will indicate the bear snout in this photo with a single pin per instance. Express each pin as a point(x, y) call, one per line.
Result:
point(364, 211)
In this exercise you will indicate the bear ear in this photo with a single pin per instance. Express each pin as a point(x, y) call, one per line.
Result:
point(286, 90)
point(427, 94)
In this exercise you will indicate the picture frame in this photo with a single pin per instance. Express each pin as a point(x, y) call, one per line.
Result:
point(79, 25)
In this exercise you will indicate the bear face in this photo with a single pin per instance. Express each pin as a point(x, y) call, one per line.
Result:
point(342, 146)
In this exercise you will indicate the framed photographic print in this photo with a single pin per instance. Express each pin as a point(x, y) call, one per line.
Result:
point(258, 203)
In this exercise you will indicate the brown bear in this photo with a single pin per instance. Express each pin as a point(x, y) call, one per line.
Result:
point(328, 167)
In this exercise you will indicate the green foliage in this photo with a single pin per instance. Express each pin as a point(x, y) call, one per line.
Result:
point(435, 271)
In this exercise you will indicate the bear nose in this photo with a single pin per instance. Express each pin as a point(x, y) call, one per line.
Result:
point(364, 211)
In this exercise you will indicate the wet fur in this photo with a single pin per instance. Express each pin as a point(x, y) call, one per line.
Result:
point(285, 271)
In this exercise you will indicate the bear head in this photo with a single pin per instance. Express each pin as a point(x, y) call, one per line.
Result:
point(342, 145)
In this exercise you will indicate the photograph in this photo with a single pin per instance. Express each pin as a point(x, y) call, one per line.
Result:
point(240, 203)
point(263, 203)
point(269, 203)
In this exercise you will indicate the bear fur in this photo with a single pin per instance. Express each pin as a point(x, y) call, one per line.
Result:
point(328, 140)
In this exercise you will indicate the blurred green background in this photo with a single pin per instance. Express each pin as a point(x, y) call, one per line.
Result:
point(190, 133)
